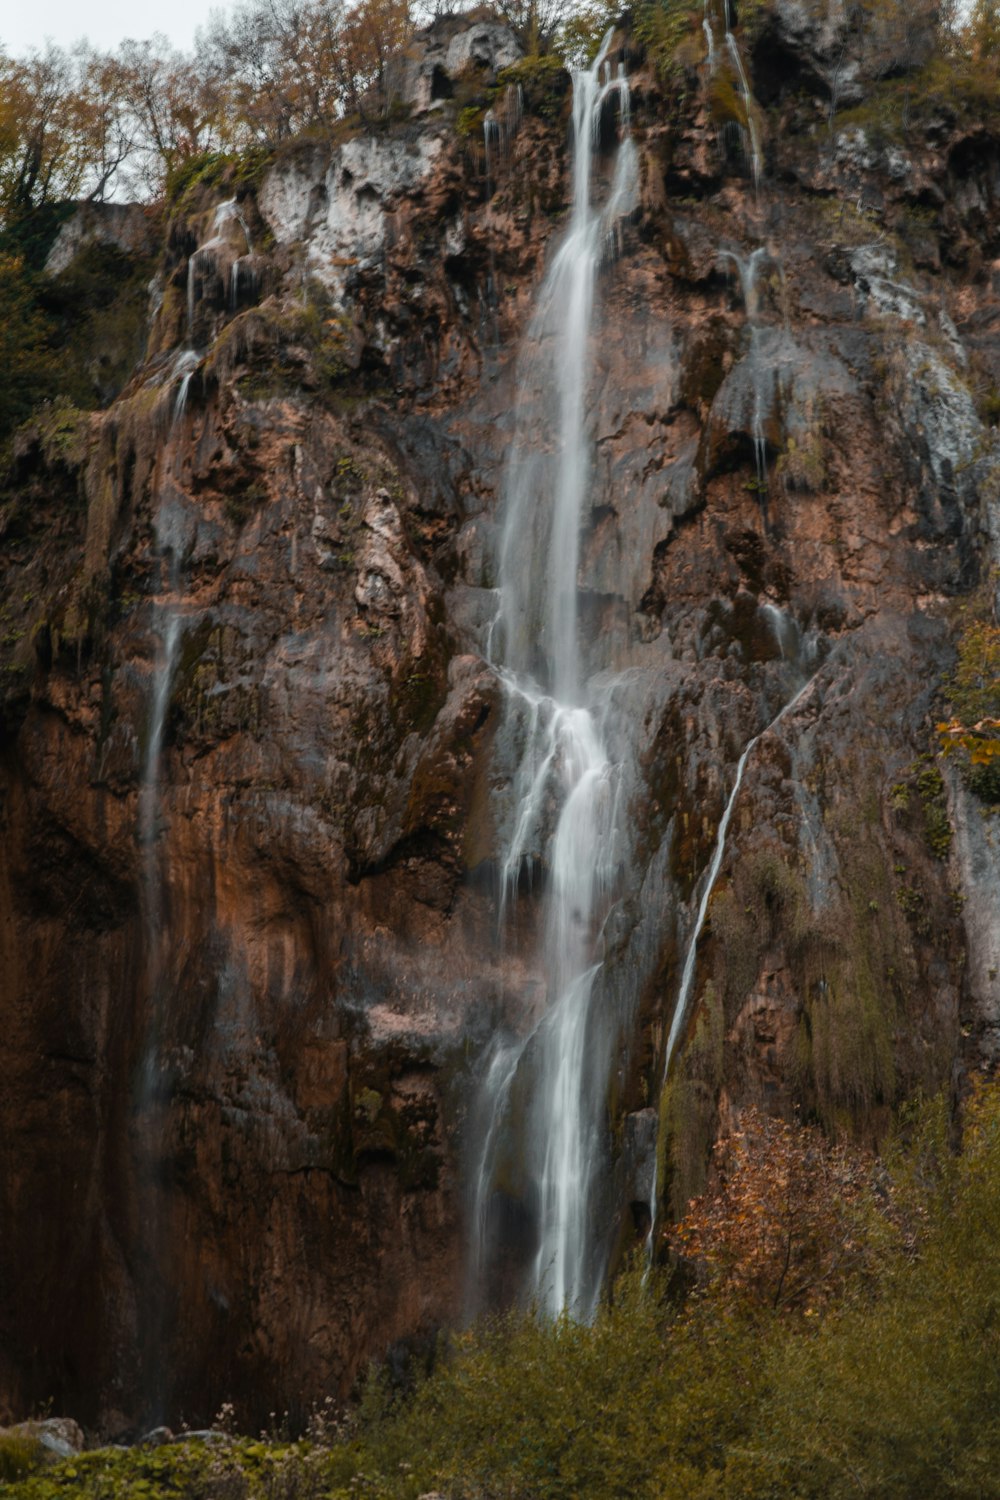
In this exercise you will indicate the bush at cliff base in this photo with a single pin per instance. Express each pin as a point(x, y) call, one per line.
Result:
point(889, 1389)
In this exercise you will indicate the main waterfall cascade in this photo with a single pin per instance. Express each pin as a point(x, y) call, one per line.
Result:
point(542, 1176)
point(556, 716)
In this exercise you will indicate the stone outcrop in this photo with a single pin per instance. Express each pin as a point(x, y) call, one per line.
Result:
point(241, 1055)
point(122, 226)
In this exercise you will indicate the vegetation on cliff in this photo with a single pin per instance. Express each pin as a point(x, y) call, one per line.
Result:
point(828, 1324)
point(837, 1336)
point(974, 693)
point(147, 122)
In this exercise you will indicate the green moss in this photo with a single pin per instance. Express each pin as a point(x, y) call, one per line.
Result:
point(803, 464)
point(368, 1105)
point(667, 29)
point(984, 782)
point(239, 505)
point(233, 171)
point(301, 346)
point(469, 121)
point(706, 361)
point(63, 431)
point(419, 699)
point(99, 306)
point(974, 692)
point(953, 83)
point(923, 786)
point(726, 104)
point(544, 83)
point(29, 372)
point(689, 1105)
point(845, 1043)
point(213, 694)
point(766, 903)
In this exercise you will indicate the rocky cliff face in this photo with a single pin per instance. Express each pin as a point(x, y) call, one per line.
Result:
point(242, 1038)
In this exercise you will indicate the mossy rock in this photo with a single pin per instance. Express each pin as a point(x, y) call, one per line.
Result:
point(707, 360)
point(544, 83)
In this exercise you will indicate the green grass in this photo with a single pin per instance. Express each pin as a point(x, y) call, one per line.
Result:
point(891, 1389)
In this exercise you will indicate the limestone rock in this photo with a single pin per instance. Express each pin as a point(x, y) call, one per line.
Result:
point(128, 227)
point(427, 71)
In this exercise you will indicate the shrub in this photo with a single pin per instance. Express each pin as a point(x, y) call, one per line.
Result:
point(28, 371)
point(20, 1455)
point(974, 693)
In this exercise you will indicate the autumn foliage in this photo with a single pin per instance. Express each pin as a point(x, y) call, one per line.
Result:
point(782, 1228)
point(78, 123)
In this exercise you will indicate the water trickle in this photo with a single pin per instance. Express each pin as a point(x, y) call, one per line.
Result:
point(760, 367)
point(748, 103)
point(746, 268)
point(500, 125)
point(565, 789)
point(691, 956)
point(184, 367)
point(168, 630)
point(226, 213)
point(166, 625)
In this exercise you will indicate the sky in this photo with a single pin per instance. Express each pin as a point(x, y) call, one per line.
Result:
point(105, 23)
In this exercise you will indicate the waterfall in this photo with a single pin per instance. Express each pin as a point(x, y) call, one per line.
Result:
point(166, 624)
point(564, 776)
point(226, 213)
point(151, 1096)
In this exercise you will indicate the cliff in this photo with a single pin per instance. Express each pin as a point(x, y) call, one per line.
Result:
point(250, 960)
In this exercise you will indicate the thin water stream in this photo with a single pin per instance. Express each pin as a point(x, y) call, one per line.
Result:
point(682, 1003)
point(152, 1088)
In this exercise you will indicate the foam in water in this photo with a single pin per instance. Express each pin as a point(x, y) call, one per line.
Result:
point(564, 763)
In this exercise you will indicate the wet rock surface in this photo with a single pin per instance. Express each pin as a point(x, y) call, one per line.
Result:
point(791, 479)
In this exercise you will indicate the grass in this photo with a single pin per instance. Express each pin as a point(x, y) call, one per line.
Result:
point(890, 1388)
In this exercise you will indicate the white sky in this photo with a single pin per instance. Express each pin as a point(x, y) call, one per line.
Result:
point(28, 23)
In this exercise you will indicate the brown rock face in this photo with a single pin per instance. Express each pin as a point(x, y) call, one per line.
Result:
point(243, 1037)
